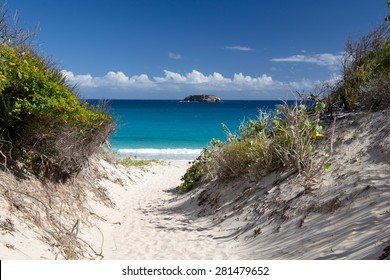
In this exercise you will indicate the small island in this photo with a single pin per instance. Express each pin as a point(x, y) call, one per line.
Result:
point(202, 98)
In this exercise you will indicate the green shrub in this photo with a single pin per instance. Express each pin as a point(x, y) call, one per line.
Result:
point(286, 138)
point(199, 166)
point(42, 122)
point(192, 176)
point(294, 135)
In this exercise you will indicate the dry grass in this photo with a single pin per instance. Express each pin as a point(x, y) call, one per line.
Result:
point(58, 210)
point(286, 140)
point(231, 161)
point(58, 152)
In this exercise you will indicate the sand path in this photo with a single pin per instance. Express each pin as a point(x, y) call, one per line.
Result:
point(150, 221)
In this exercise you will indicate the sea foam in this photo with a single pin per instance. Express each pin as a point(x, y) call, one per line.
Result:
point(162, 154)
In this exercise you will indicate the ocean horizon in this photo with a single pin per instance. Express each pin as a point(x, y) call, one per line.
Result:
point(176, 130)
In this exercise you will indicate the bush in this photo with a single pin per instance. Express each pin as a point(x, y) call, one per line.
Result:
point(365, 73)
point(295, 133)
point(232, 160)
point(199, 167)
point(376, 93)
point(193, 174)
point(286, 138)
point(42, 122)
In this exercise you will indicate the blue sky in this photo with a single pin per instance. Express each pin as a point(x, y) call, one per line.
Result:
point(167, 49)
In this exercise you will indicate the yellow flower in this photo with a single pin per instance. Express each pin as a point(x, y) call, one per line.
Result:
point(316, 134)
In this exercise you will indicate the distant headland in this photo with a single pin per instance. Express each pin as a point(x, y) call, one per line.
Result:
point(202, 98)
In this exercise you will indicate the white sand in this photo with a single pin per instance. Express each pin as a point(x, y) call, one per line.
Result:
point(149, 222)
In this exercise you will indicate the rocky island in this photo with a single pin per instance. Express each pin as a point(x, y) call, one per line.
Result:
point(202, 98)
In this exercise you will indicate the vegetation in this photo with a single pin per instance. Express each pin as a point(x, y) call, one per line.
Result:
point(130, 162)
point(365, 82)
point(42, 122)
point(285, 138)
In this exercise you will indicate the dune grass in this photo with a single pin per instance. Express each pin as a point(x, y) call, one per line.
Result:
point(131, 162)
point(284, 139)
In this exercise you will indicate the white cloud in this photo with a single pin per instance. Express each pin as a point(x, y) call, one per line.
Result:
point(170, 77)
point(194, 81)
point(81, 80)
point(174, 85)
point(324, 59)
point(175, 56)
point(239, 48)
point(112, 80)
point(217, 81)
point(259, 82)
point(172, 80)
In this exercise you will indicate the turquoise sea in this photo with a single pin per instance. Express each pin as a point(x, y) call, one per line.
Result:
point(171, 129)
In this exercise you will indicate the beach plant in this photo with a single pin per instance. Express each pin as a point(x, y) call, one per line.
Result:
point(199, 166)
point(42, 122)
point(295, 133)
point(193, 174)
point(285, 138)
point(364, 83)
point(131, 162)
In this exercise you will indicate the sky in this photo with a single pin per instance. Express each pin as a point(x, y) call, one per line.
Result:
point(168, 49)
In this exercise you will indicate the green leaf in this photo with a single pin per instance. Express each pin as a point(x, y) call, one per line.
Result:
point(320, 106)
point(327, 166)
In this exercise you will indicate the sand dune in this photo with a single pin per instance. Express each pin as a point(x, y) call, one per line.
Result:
point(136, 213)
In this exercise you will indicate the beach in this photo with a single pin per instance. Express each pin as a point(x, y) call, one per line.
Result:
point(198, 130)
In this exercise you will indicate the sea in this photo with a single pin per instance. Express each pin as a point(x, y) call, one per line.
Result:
point(176, 130)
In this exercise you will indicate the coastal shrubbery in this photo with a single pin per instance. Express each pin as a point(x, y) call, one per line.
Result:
point(286, 138)
point(43, 125)
point(365, 79)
